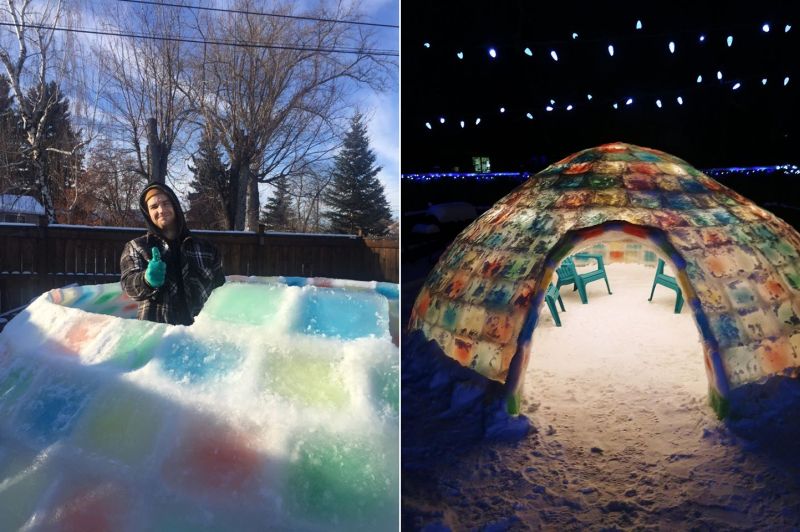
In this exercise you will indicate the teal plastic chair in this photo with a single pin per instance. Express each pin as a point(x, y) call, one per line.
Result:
point(567, 274)
point(670, 282)
point(550, 297)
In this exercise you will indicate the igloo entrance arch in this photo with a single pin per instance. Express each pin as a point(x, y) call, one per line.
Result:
point(736, 261)
point(649, 244)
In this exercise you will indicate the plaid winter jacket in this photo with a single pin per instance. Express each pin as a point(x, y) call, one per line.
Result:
point(194, 269)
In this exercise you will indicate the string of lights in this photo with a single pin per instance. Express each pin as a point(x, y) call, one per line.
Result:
point(670, 43)
point(191, 40)
point(260, 13)
point(664, 100)
point(488, 176)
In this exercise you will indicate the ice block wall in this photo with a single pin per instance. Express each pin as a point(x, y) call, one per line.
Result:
point(277, 409)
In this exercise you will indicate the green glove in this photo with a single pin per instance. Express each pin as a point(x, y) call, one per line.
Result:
point(156, 270)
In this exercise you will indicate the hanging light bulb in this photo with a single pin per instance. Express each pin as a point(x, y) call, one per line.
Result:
point(787, 28)
point(765, 28)
point(702, 38)
point(719, 74)
point(462, 124)
point(588, 96)
point(530, 116)
point(569, 107)
point(615, 106)
point(492, 53)
point(638, 24)
point(671, 47)
point(611, 50)
point(764, 81)
point(477, 121)
point(729, 40)
point(574, 35)
point(736, 86)
point(426, 45)
point(699, 78)
point(629, 101)
point(528, 52)
point(554, 55)
point(548, 108)
point(428, 125)
point(460, 55)
point(680, 100)
point(658, 104)
point(552, 102)
point(785, 81)
point(441, 120)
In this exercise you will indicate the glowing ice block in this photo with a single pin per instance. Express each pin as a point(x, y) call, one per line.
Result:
point(190, 360)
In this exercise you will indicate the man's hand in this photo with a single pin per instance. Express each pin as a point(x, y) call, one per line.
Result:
point(156, 270)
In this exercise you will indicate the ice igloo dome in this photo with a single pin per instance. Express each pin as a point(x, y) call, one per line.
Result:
point(736, 263)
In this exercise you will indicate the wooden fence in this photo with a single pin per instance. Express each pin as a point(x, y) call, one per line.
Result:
point(34, 259)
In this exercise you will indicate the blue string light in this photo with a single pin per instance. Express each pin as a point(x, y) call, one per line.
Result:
point(487, 176)
point(528, 52)
point(736, 86)
point(729, 40)
point(765, 28)
point(671, 47)
point(554, 55)
point(492, 53)
point(611, 50)
point(638, 24)
point(460, 55)
point(699, 78)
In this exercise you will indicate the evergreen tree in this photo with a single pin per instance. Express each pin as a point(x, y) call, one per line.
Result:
point(356, 198)
point(277, 213)
point(59, 168)
point(208, 200)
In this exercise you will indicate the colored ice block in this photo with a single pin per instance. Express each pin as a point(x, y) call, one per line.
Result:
point(248, 303)
point(51, 410)
point(188, 359)
point(122, 424)
point(384, 382)
point(23, 480)
point(333, 479)
point(343, 314)
point(310, 380)
point(137, 344)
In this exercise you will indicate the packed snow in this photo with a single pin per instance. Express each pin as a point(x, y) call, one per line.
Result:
point(621, 436)
point(277, 409)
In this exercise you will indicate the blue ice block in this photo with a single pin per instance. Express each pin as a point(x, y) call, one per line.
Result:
point(50, 412)
point(344, 314)
point(388, 290)
point(191, 360)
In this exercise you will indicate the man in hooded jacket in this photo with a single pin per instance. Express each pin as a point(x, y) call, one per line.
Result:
point(168, 271)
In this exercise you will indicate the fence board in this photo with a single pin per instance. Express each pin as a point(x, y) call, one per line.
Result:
point(37, 258)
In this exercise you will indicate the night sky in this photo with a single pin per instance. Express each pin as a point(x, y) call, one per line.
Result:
point(715, 127)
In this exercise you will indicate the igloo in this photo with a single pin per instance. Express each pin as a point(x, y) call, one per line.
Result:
point(735, 262)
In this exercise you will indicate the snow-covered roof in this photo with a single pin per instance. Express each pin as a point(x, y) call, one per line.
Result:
point(20, 204)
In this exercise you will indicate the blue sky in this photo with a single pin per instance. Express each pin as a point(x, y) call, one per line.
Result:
point(383, 110)
point(380, 109)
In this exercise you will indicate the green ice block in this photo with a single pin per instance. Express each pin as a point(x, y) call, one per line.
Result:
point(385, 384)
point(249, 303)
point(12, 385)
point(342, 481)
point(122, 425)
point(136, 345)
point(310, 381)
point(22, 484)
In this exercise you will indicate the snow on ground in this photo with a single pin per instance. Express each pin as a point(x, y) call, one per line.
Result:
point(622, 438)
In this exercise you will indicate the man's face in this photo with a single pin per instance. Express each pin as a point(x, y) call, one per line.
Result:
point(161, 212)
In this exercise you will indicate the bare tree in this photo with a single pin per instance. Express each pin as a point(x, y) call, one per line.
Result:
point(276, 97)
point(144, 75)
point(112, 185)
point(32, 57)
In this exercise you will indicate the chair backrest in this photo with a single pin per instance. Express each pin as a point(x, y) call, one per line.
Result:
point(566, 271)
point(660, 267)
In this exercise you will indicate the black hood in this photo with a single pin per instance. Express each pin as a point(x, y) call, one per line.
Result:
point(183, 231)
